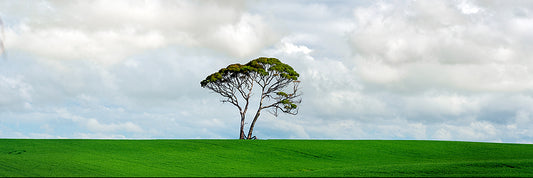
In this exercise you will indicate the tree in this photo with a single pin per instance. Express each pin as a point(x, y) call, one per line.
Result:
point(277, 81)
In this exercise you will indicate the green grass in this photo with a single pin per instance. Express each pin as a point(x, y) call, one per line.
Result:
point(262, 158)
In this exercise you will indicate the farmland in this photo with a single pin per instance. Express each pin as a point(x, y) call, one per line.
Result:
point(35, 157)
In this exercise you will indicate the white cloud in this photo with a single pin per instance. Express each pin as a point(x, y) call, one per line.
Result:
point(377, 72)
point(481, 131)
point(104, 47)
point(454, 70)
point(109, 32)
point(396, 42)
point(249, 35)
point(94, 125)
point(468, 8)
point(349, 104)
point(290, 48)
point(433, 103)
point(283, 128)
point(15, 92)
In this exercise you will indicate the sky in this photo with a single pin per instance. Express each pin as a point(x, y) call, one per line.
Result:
point(403, 70)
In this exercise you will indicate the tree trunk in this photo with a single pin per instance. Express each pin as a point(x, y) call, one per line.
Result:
point(241, 133)
point(243, 113)
point(253, 123)
point(257, 113)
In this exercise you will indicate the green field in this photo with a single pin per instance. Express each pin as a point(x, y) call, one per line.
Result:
point(262, 158)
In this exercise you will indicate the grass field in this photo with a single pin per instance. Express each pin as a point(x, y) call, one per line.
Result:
point(262, 158)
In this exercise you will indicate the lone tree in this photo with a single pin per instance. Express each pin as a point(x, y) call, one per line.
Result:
point(277, 81)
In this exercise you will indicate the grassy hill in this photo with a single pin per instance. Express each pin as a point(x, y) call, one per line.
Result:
point(262, 158)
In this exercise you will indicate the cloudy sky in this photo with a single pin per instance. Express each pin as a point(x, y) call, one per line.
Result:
point(439, 70)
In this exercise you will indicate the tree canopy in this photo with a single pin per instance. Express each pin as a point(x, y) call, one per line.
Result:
point(277, 81)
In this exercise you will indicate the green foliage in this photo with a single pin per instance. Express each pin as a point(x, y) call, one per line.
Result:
point(292, 106)
point(287, 104)
point(282, 94)
point(262, 158)
point(275, 65)
point(233, 70)
point(259, 66)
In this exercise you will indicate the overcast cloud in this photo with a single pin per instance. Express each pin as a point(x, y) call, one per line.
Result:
point(444, 70)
